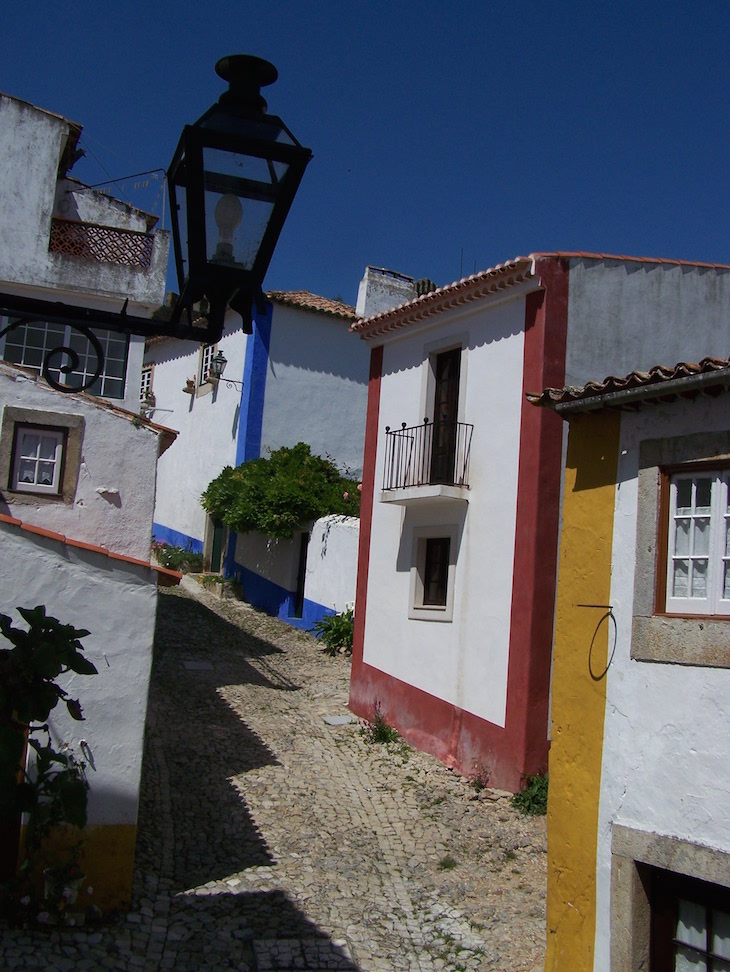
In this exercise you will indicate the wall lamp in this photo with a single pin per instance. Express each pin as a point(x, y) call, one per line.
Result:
point(215, 372)
point(232, 181)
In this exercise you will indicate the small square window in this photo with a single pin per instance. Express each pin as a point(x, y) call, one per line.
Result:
point(38, 460)
point(433, 570)
point(207, 353)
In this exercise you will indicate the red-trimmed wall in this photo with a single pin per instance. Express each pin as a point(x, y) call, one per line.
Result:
point(458, 738)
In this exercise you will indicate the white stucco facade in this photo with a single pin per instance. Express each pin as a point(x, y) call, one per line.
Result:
point(116, 602)
point(627, 315)
point(113, 500)
point(463, 662)
point(36, 151)
point(666, 736)
point(300, 377)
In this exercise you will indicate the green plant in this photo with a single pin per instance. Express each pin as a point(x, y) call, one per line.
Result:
point(377, 730)
point(448, 863)
point(276, 495)
point(54, 789)
point(336, 631)
point(532, 798)
point(184, 559)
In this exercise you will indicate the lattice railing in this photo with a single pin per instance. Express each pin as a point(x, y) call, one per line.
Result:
point(105, 243)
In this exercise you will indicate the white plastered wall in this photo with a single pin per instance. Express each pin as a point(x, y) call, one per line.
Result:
point(332, 562)
point(664, 766)
point(207, 423)
point(316, 386)
point(116, 602)
point(114, 498)
point(464, 661)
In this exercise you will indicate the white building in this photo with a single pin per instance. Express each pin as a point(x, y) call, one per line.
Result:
point(460, 513)
point(299, 377)
point(77, 472)
point(61, 241)
point(76, 508)
point(638, 818)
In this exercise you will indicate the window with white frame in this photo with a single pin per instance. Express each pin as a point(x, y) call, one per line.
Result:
point(37, 459)
point(207, 353)
point(698, 553)
point(40, 455)
point(145, 388)
point(29, 343)
point(433, 569)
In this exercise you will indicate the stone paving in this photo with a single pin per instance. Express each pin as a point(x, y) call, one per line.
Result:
point(274, 836)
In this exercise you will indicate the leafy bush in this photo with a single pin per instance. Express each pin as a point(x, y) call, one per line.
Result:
point(378, 730)
point(336, 631)
point(277, 495)
point(55, 791)
point(184, 559)
point(532, 799)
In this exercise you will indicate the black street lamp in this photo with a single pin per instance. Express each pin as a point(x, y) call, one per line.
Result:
point(232, 181)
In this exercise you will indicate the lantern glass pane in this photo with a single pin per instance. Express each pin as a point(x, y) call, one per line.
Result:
point(240, 194)
point(179, 194)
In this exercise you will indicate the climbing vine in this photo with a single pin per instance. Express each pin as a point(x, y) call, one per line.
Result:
point(276, 495)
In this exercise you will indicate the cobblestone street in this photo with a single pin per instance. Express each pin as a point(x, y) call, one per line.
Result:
point(273, 835)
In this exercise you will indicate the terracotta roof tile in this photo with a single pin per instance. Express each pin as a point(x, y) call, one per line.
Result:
point(660, 383)
point(463, 291)
point(307, 301)
point(165, 577)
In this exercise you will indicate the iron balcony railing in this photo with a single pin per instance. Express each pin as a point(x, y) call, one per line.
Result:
point(108, 244)
point(427, 454)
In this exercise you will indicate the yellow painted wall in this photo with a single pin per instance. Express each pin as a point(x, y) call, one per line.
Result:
point(106, 858)
point(579, 689)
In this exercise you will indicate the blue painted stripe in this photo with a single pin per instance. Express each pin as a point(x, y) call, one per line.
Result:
point(277, 601)
point(256, 366)
point(165, 534)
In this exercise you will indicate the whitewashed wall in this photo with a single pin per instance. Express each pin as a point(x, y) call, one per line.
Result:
point(665, 744)
point(30, 151)
point(331, 573)
point(116, 602)
point(463, 662)
point(114, 500)
point(316, 386)
point(207, 424)
point(631, 316)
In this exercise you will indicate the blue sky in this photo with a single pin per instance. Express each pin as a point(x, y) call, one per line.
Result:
point(447, 136)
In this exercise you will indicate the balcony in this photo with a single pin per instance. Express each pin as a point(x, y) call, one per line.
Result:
point(427, 461)
point(107, 244)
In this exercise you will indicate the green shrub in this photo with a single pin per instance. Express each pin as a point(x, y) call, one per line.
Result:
point(177, 558)
point(335, 632)
point(532, 798)
point(378, 730)
point(275, 496)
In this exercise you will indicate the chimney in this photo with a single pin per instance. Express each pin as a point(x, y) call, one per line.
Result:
point(381, 290)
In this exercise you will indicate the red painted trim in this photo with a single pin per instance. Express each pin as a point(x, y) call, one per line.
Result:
point(538, 513)
point(165, 577)
point(460, 738)
point(366, 509)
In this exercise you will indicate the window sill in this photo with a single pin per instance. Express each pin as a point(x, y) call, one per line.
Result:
point(682, 640)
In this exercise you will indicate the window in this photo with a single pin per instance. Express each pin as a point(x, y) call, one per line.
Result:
point(436, 571)
point(145, 388)
point(670, 904)
point(28, 344)
point(681, 611)
point(698, 556)
point(38, 459)
point(433, 569)
point(690, 924)
point(207, 353)
point(40, 454)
